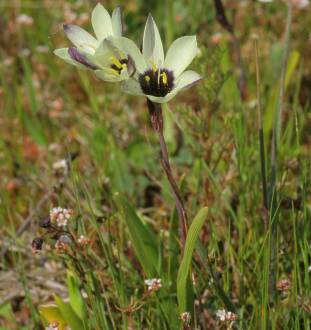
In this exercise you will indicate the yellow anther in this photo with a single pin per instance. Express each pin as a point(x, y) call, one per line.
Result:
point(147, 78)
point(114, 72)
point(164, 78)
point(124, 66)
point(115, 61)
point(154, 67)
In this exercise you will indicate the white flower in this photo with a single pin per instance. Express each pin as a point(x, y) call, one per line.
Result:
point(185, 317)
point(60, 216)
point(52, 326)
point(309, 269)
point(154, 284)
point(24, 19)
point(61, 165)
point(96, 54)
point(62, 244)
point(83, 241)
point(225, 316)
point(300, 4)
point(157, 77)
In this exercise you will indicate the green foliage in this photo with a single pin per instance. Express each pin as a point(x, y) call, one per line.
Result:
point(184, 281)
point(120, 195)
point(143, 240)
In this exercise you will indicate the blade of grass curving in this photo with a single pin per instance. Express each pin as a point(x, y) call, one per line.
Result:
point(173, 249)
point(75, 297)
point(143, 239)
point(276, 136)
point(69, 315)
point(51, 313)
point(184, 284)
point(260, 132)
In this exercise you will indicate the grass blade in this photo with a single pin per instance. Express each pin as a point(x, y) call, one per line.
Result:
point(184, 290)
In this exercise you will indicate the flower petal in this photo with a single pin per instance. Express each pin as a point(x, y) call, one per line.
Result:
point(103, 52)
point(187, 79)
point(76, 55)
point(164, 99)
point(131, 86)
point(152, 43)
point(181, 53)
point(128, 47)
point(117, 25)
point(101, 22)
point(80, 38)
point(64, 55)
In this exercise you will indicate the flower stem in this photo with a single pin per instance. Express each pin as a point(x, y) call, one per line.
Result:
point(156, 117)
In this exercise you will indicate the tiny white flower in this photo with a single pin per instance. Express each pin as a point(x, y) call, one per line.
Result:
point(61, 165)
point(60, 216)
point(154, 284)
point(83, 241)
point(185, 317)
point(157, 77)
point(52, 326)
point(24, 19)
point(108, 63)
point(300, 4)
point(62, 244)
point(225, 316)
point(309, 269)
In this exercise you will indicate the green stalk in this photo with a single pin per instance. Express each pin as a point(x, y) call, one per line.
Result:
point(274, 158)
point(156, 117)
point(260, 132)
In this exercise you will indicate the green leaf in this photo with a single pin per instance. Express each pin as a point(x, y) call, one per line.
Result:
point(75, 297)
point(184, 284)
point(51, 313)
point(292, 63)
point(143, 239)
point(69, 315)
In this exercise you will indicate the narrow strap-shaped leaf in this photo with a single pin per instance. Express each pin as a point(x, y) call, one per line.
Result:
point(143, 239)
point(69, 315)
point(184, 285)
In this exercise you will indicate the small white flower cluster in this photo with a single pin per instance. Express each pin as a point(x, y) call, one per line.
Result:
point(52, 326)
point(185, 317)
point(62, 244)
point(154, 284)
point(24, 19)
point(300, 4)
point(225, 316)
point(61, 165)
point(60, 216)
point(284, 285)
point(83, 241)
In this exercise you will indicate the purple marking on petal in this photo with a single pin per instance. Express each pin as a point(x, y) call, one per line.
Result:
point(79, 57)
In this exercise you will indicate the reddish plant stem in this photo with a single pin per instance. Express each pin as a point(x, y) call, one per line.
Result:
point(156, 118)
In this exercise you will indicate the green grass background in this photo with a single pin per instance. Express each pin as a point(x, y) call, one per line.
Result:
point(118, 190)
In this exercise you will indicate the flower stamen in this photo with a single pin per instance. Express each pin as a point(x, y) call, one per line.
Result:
point(115, 62)
point(157, 83)
point(164, 78)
